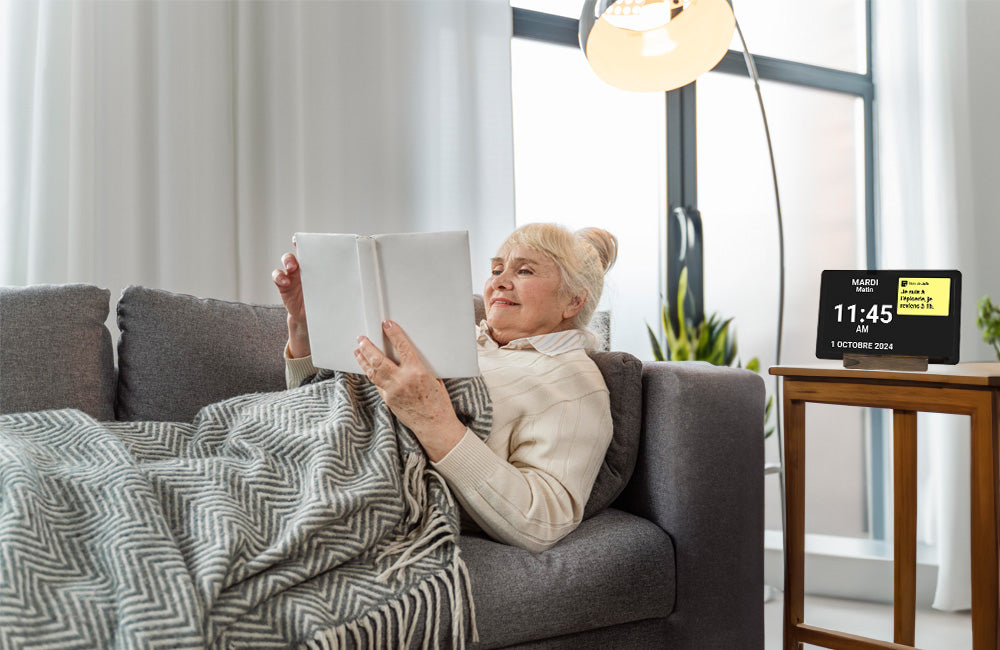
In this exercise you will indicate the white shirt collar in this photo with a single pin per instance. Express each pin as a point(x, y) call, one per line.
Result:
point(551, 344)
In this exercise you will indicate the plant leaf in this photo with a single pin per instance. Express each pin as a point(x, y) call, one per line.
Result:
point(719, 349)
point(657, 350)
point(988, 320)
point(672, 343)
point(682, 284)
point(703, 349)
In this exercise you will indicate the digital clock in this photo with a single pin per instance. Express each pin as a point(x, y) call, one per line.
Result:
point(874, 314)
point(890, 313)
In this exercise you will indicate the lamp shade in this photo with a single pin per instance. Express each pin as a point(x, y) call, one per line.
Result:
point(637, 45)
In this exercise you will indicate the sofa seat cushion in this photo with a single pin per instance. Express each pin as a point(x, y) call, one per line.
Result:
point(615, 568)
point(55, 350)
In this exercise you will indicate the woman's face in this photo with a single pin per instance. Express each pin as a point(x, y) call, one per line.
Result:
point(523, 296)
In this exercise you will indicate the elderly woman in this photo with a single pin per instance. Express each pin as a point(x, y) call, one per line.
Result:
point(528, 483)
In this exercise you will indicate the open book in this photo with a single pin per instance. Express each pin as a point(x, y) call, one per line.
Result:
point(423, 281)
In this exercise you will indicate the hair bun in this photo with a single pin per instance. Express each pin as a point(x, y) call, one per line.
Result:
point(603, 242)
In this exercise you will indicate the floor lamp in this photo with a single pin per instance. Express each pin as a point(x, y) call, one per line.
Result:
point(660, 45)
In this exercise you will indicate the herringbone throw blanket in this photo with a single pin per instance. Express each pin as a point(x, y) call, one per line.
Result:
point(302, 518)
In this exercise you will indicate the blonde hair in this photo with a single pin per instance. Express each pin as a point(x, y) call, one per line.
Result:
point(583, 257)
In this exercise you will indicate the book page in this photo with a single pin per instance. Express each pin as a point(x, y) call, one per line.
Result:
point(331, 288)
point(422, 281)
point(373, 303)
point(428, 290)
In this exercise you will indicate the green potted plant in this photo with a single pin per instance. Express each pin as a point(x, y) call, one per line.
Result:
point(988, 321)
point(709, 340)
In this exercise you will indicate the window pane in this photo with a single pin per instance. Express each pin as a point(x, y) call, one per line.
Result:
point(587, 154)
point(568, 8)
point(819, 155)
point(829, 33)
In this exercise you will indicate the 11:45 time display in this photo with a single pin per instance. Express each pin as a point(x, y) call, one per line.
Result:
point(860, 313)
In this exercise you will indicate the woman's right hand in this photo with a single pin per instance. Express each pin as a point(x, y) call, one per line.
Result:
point(289, 283)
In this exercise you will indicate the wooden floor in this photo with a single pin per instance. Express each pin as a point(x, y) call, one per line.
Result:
point(935, 630)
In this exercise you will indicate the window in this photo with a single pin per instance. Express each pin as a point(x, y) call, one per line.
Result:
point(830, 34)
point(817, 89)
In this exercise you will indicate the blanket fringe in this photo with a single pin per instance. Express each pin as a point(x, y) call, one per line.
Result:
point(394, 624)
point(436, 529)
point(450, 588)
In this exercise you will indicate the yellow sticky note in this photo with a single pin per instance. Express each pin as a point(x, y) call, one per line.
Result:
point(923, 296)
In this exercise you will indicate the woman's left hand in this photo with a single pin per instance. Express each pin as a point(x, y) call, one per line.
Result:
point(416, 397)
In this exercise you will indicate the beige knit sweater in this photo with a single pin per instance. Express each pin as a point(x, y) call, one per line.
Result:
point(527, 485)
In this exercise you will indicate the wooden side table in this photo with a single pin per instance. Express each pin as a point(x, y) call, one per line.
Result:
point(971, 389)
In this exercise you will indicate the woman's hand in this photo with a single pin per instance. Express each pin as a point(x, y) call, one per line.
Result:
point(289, 283)
point(414, 395)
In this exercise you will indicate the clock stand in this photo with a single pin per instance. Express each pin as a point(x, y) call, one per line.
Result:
point(885, 362)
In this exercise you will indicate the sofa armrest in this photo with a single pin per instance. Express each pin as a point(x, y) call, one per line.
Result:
point(700, 477)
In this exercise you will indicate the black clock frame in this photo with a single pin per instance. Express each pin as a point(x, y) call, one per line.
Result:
point(859, 314)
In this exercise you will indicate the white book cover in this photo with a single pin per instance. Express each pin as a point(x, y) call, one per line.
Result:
point(423, 281)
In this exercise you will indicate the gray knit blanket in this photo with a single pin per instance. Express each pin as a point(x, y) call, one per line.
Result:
point(307, 517)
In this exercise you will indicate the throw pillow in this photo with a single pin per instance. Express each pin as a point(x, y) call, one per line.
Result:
point(623, 376)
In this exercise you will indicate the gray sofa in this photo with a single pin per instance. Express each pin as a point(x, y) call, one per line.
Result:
point(670, 554)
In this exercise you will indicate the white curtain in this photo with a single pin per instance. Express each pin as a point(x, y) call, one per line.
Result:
point(179, 144)
point(937, 94)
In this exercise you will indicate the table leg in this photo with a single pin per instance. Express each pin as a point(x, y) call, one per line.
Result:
point(795, 514)
point(985, 542)
point(995, 426)
point(904, 471)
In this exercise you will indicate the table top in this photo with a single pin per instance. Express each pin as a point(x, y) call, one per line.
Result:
point(970, 374)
